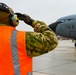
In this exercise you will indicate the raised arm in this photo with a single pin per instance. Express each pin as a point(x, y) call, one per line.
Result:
point(42, 40)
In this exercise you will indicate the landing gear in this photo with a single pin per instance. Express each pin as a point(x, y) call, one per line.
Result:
point(75, 44)
point(74, 41)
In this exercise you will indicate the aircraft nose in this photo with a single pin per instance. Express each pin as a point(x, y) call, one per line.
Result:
point(54, 25)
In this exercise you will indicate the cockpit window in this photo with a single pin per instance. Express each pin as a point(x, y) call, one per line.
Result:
point(66, 20)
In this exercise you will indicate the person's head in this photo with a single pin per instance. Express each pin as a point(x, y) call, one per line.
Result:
point(7, 16)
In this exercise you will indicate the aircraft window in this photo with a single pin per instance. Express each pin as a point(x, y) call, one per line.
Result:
point(66, 20)
point(69, 19)
point(62, 20)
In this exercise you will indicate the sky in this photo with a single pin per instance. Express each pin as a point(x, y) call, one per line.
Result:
point(47, 11)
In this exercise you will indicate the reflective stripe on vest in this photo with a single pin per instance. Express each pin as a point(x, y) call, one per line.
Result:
point(15, 55)
point(15, 52)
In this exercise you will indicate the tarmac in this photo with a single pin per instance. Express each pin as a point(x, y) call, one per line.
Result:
point(60, 61)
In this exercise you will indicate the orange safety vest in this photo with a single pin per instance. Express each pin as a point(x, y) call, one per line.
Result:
point(13, 57)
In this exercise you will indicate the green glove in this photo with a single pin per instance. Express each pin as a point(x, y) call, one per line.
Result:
point(27, 19)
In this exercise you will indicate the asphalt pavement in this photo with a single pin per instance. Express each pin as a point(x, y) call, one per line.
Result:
point(60, 61)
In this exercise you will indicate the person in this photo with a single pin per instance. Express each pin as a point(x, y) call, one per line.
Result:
point(18, 47)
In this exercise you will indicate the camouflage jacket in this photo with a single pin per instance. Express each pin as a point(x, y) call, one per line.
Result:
point(41, 41)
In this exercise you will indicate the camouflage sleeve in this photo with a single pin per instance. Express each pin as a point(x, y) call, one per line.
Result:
point(41, 41)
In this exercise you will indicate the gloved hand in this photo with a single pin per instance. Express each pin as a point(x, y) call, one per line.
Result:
point(27, 19)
